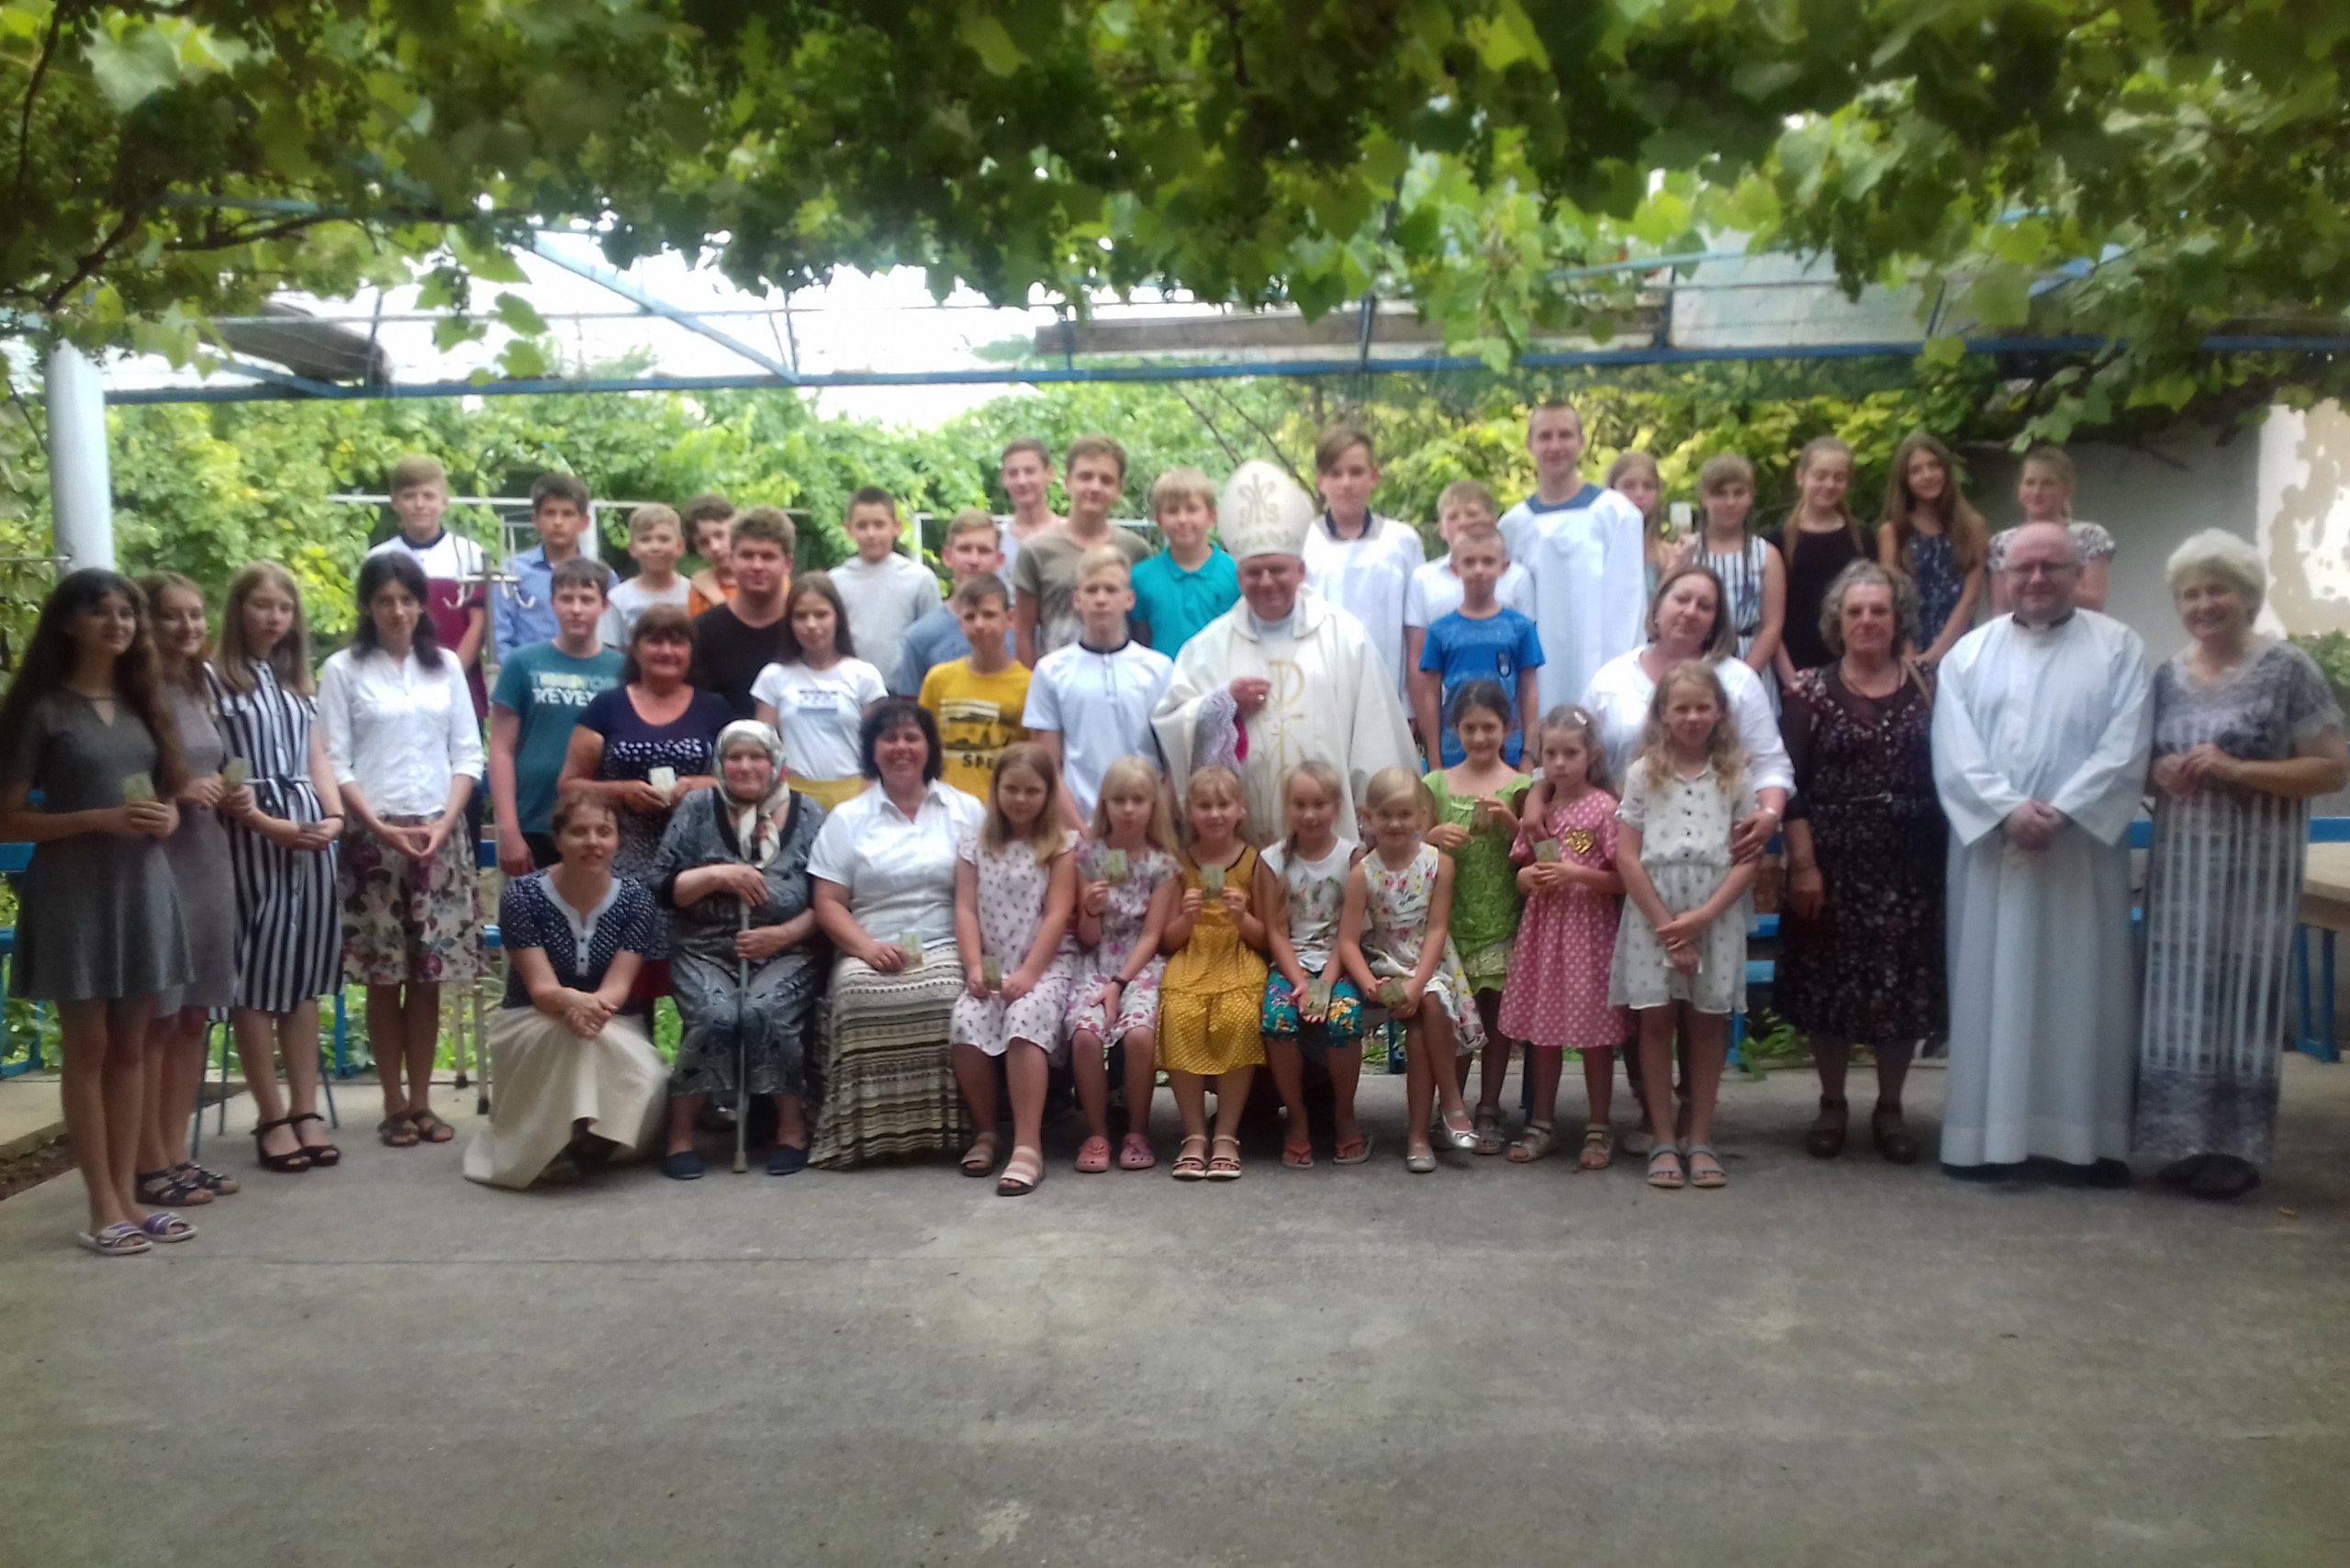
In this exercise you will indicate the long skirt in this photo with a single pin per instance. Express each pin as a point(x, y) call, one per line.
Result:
point(889, 1078)
point(768, 1024)
point(550, 1081)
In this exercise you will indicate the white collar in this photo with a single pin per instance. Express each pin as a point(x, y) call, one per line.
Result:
point(583, 923)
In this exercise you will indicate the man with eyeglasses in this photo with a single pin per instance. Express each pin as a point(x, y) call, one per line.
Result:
point(2041, 729)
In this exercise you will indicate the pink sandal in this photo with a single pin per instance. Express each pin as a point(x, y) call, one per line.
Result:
point(1136, 1153)
point(1093, 1157)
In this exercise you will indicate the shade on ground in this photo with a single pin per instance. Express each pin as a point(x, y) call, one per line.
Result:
point(1823, 1364)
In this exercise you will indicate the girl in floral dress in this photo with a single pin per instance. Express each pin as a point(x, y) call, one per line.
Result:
point(1129, 881)
point(1556, 1000)
point(1395, 938)
point(1015, 890)
point(1681, 945)
point(1311, 1008)
point(1477, 802)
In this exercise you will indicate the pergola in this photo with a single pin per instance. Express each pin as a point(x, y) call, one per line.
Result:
point(687, 330)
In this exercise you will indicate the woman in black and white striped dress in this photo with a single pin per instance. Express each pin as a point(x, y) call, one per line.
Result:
point(289, 938)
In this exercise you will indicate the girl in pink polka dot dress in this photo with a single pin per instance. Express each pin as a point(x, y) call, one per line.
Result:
point(1556, 996)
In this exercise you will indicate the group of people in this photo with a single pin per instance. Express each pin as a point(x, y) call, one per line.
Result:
point(901, 855)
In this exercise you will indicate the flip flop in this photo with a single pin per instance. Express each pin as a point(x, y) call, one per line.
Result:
point(1361, 1151)
point(1298, 1156)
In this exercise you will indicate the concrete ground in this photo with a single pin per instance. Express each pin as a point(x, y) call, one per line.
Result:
point(1823, 1364)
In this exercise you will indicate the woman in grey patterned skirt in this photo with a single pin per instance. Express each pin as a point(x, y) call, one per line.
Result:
point(2245, 732)
point(743, 846)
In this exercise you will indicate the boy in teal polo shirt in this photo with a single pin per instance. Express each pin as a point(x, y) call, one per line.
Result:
point(1192, 581)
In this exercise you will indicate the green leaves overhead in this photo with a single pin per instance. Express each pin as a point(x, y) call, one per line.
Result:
point(2194, 153)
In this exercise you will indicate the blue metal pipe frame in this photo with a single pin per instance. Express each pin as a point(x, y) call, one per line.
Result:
point(1292, 370)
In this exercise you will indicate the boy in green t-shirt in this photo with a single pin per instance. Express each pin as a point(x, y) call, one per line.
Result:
point(978, 700)
point(542, 688)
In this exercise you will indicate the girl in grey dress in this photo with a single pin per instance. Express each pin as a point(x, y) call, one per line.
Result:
point(98, 928)
point(198, 854)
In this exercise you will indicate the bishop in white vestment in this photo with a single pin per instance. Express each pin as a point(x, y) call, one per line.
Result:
point(2041, 731)
point(1284, 676)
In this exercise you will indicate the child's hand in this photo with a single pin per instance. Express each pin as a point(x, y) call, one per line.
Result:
point(1094, 899)
point(1112, 989)
point(1236, 901)
point(1683, 956)
point(1447, 836)
point(1681, 929)
point(1408, 1005)
point(1192, 902)
point(974, 982)
point(1018, 983)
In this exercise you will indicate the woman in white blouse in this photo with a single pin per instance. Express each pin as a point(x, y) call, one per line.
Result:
point(884, 870)
point(1686, 620)
point(407, 756)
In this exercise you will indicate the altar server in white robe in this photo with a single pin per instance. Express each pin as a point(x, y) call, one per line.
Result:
point(1586, 550)
point(1283, 677)
point(2041, 729)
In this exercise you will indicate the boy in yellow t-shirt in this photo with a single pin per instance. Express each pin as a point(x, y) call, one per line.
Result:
point(978, 701)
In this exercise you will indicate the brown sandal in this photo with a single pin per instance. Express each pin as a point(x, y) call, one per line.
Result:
point(1826, 1139)
point(1896, 1142)
point(429, 1128)
point(397, 1132)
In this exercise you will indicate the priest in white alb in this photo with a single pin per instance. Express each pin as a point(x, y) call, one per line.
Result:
point(2041, 729)
point(1284, 676)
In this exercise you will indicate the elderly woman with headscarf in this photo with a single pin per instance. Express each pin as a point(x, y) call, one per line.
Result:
point(2246, 731)
point(577, 1083)
point(743, 958)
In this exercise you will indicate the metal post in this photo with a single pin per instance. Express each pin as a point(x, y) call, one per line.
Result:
point(82, 493)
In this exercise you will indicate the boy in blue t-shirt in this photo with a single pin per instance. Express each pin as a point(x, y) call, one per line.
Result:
point(1481, 641)
point(543, 689)
point(1191, 582)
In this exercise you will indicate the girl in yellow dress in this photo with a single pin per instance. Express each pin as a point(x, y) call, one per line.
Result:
point(1209, 1003)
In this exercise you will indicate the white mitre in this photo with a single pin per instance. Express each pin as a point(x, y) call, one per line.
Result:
point(1262, 512)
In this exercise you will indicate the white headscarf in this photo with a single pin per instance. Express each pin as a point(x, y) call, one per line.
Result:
point(758, 824)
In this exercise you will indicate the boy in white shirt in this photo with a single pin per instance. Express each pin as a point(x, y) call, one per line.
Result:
point(1435, 588)
point(655, 543)
point(885, 592)
point(1090, 702)
point(1354, 558)
point(455, 570)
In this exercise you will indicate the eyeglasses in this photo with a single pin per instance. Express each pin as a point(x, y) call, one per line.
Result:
point(2043, 568)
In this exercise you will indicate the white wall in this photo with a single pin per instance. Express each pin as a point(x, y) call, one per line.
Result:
point(2149, 499)
point(2303, 506)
